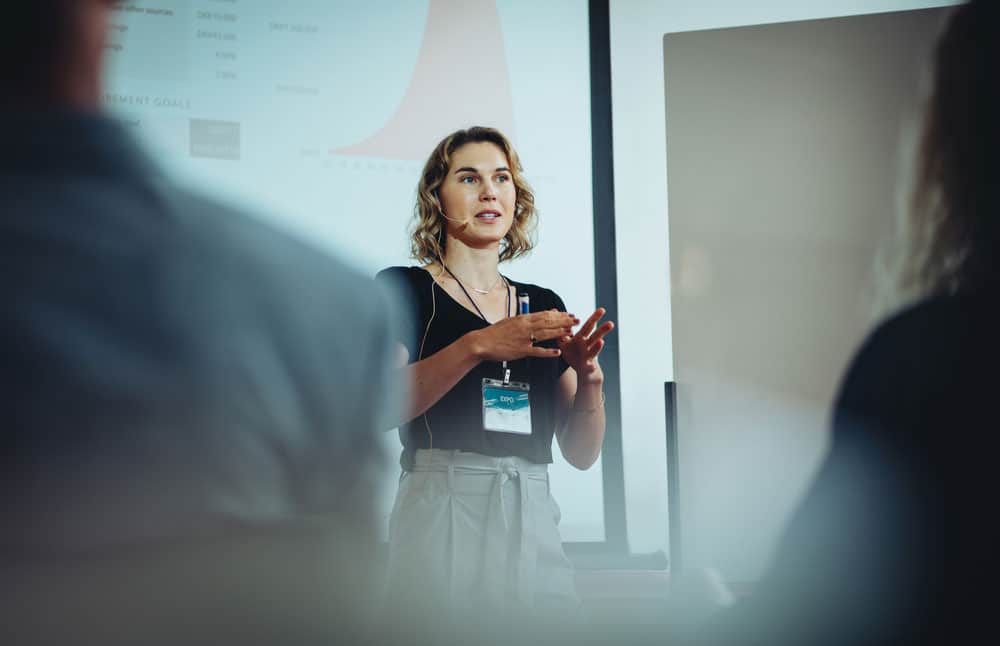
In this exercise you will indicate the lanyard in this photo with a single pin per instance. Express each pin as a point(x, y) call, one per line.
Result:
point(506, 370)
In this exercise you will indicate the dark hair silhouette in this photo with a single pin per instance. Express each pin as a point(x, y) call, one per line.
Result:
point(952, 228)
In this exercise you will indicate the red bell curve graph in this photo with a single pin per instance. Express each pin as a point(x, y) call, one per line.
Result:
point(460, 79)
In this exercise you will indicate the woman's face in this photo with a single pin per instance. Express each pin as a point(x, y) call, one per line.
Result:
point(478, 195)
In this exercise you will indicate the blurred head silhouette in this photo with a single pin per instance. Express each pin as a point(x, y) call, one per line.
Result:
point(189, 445)
point(51, 53)
point(951, 231)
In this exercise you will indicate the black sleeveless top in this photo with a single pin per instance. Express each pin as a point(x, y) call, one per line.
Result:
point(456, 420)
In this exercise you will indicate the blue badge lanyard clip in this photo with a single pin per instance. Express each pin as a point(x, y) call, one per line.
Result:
point(522, 308)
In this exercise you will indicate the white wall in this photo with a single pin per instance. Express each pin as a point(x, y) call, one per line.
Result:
point(637, 30)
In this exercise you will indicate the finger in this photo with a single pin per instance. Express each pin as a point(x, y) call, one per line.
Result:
point(552, 318)
point(546, 317)
point(546, 334)
point(588, 327)
point(566, 343)
point(543, 353)
point(594, 349)
point(606, 327)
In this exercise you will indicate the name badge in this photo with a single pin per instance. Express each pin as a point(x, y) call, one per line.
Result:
point(506, 407)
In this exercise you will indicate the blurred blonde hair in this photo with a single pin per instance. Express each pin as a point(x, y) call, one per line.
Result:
point(428, 233)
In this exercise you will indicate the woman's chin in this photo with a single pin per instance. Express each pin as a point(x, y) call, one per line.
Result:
point(482, 240)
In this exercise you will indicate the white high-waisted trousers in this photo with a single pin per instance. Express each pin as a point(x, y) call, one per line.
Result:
point(472, 536)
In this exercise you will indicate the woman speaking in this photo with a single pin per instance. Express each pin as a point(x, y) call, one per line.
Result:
point(495, 370)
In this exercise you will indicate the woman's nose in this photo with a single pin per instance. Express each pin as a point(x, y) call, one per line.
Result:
point(489, 191)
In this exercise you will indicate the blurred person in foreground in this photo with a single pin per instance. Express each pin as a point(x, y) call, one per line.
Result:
point(892, 543)
point(190, 396)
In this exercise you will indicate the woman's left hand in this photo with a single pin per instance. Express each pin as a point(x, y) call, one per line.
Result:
point(580, 350)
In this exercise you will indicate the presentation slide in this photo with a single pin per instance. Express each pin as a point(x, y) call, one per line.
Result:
point(318, 115)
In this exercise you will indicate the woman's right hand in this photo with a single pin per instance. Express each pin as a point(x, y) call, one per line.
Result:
point(515, 337)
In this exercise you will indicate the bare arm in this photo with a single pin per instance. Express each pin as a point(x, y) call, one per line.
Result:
point(429, 379)
point(580, 419)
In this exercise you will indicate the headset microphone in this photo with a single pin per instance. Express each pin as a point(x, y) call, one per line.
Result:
point(463, 222)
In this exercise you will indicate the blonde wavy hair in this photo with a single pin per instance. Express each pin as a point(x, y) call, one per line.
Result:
point(948, 230)
point(428, 231)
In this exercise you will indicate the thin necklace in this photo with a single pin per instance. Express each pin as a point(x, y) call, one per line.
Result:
point(486, 291)
point(473, 288)
point(473, 301)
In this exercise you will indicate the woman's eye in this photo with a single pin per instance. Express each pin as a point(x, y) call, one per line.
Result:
point(468, 179)
point(503, 178)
